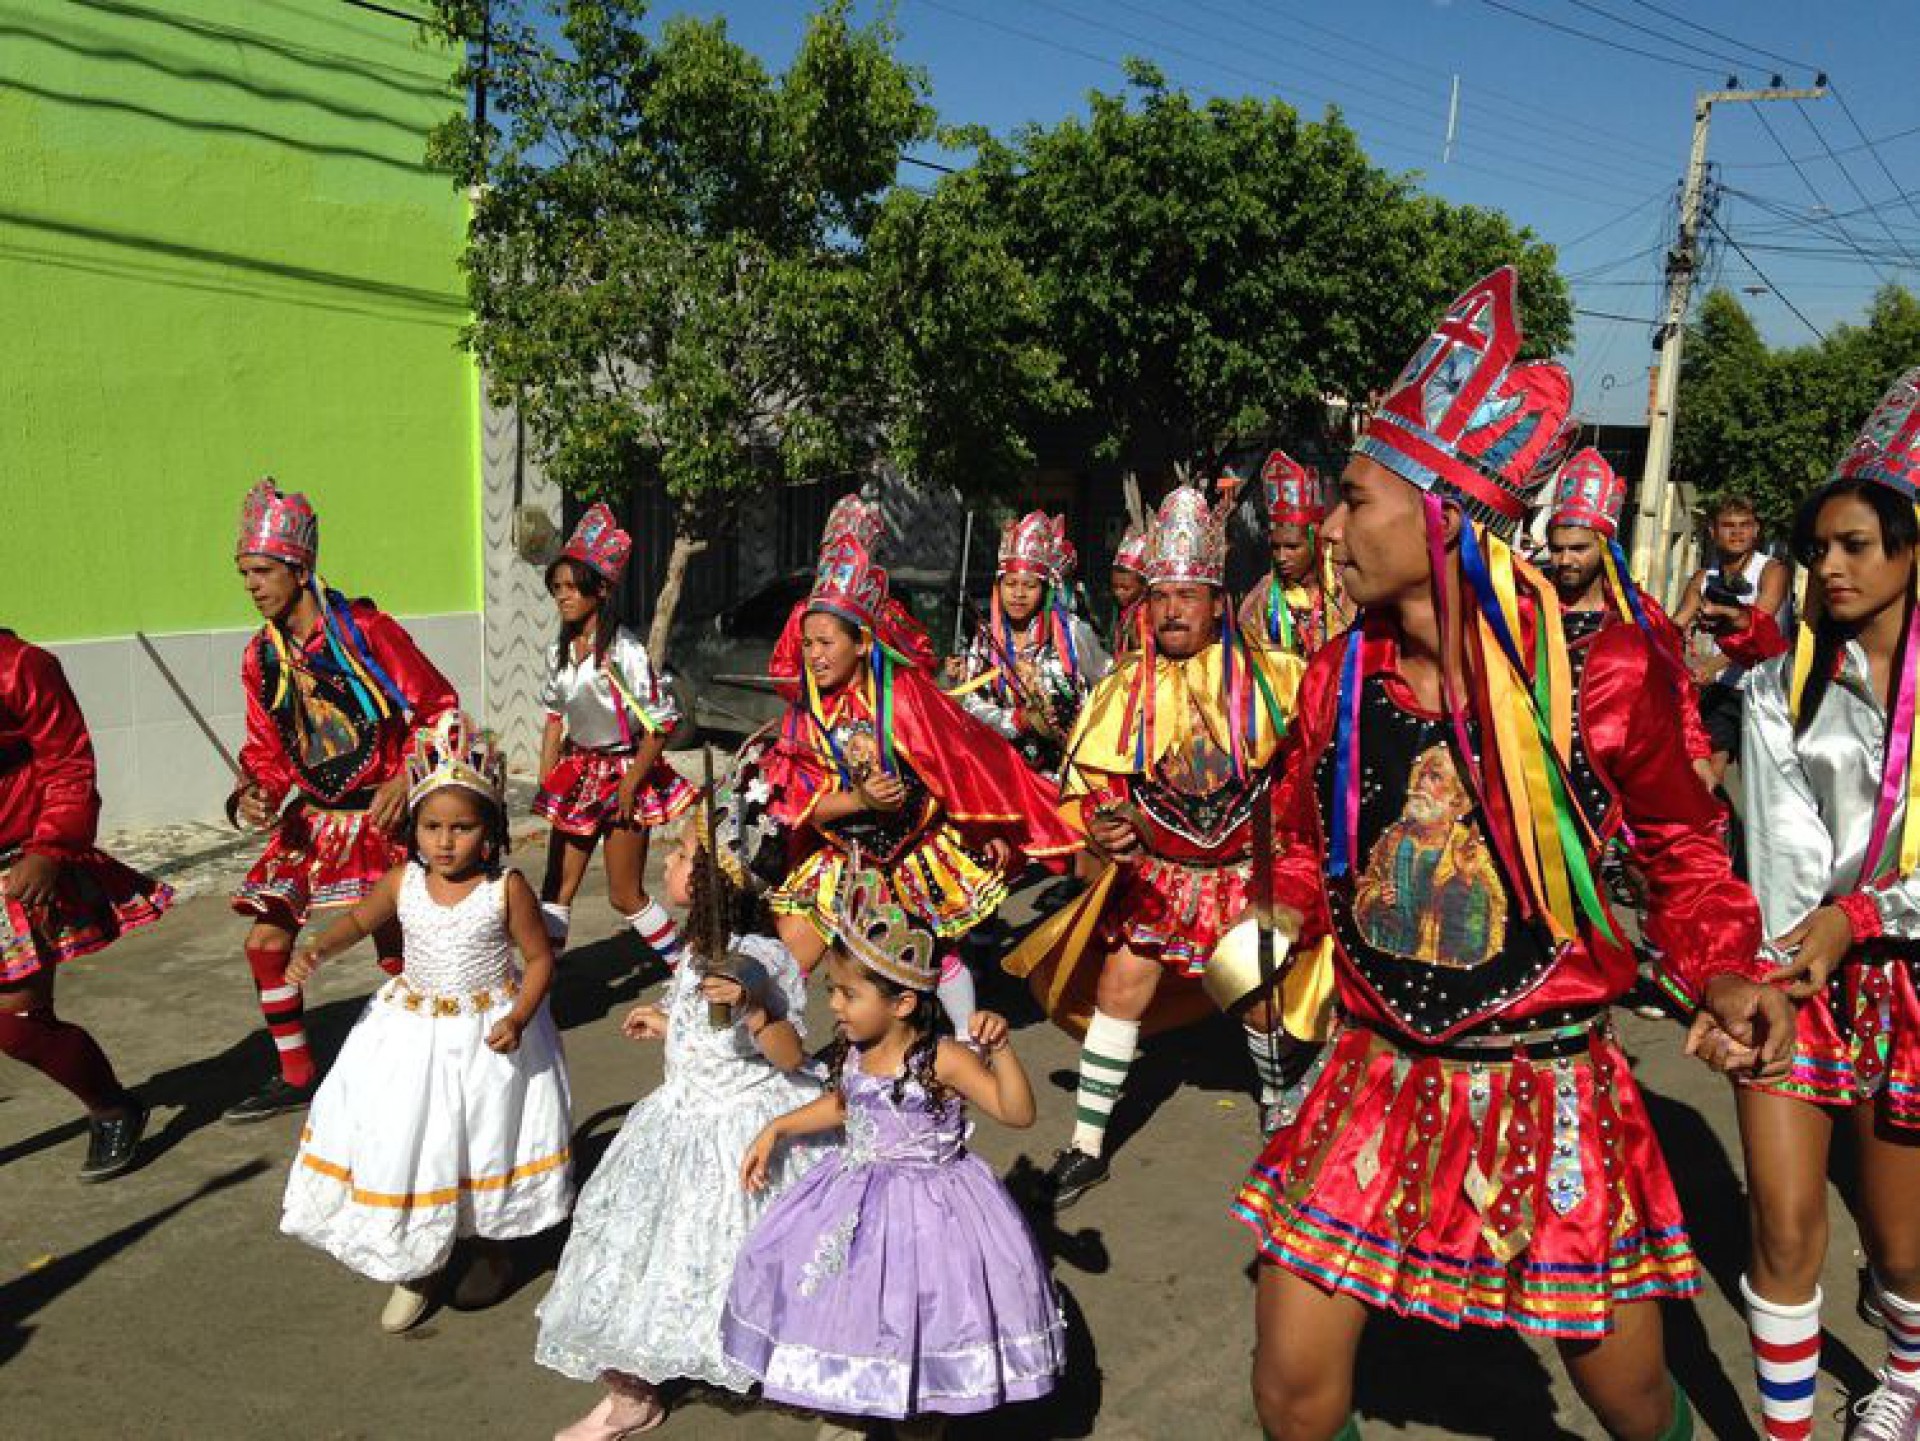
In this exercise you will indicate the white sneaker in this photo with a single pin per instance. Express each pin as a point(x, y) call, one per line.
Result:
point(1890, 1412)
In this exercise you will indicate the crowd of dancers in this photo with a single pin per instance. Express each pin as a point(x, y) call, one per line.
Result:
point(1417, 812)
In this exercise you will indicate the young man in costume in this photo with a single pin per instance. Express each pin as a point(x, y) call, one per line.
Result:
point(1168, 764)
point(1473, 1147)
point(1127, 583)
point(877, 766)
point(1030, 665)
point(335, 689)
point(60, 897)
point(1298, 607)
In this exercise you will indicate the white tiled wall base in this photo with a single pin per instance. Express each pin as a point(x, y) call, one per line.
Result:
point(156, 768)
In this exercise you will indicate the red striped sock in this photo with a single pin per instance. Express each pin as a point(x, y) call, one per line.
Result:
point(285, 1012)
point(654, 926)
point(1786, 1362)
point(1902, 1318)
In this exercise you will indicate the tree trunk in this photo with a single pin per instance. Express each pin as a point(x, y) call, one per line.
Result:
point(685, 548)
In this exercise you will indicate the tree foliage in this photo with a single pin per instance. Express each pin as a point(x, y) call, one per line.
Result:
point(1210, 272)
point(1770, 424)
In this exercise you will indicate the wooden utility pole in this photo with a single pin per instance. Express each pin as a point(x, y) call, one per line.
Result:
point(1649, 548)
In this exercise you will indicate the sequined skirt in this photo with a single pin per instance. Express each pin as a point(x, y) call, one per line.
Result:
point(1523, 1190)
point(937, 879)
point(318, 859)
point(580, 796)
point(1859, 1040)
point(1174, 913)
point(96, 900)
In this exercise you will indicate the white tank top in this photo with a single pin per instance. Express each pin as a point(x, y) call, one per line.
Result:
point(459, 949)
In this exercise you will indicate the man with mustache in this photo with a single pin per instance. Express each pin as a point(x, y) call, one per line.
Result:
point(1166, 766)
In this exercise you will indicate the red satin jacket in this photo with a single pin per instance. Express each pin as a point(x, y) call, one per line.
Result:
point(1702, 919)
point(265, 757)
point(48, 800)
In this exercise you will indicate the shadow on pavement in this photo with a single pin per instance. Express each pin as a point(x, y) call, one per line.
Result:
point(25, 1295)
point(1474, 1382)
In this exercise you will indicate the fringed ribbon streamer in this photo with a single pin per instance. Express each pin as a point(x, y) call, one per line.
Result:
point(1625, 593)
point(1899, 783)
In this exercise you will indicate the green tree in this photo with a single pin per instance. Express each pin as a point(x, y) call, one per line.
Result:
point(1211, 273)
point(690, 272)
point(1770, 424)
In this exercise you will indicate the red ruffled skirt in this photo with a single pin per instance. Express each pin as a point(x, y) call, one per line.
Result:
point(1860, 1038)
point(317, 860)
point(1528, 1194)
point(580, 796)
point(96, 900)
point(1174, 913)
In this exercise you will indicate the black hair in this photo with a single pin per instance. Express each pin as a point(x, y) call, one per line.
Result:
point(495, 842)
point(589, 582)
point(850, 629)
point(1899, 535)
point(930, 1026)
point(1734, 504)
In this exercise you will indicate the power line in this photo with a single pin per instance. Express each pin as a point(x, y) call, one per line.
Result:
point(1607, 225)
point(1886, 139)
point(376, 8)
point(1765, 279)
point(1873, 150)
point(1818, 198)
point(1620, 45)
point(1610, 315)
point(1854, 185)
point(1659, 35)
point(1719, 35)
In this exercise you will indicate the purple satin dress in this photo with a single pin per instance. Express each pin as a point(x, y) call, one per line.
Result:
point(898, 1277)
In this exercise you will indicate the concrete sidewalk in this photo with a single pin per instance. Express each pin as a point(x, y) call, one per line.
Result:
point(166, 1304)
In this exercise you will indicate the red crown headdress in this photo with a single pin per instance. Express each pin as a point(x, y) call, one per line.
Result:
point(1293, 491)
point(1188, 540)
point(599, 544)
point(1588, 492)
point(846, 582)
point(281, 526)
point(1132, 554)
point(1466, 420)
point(1887, 450)
point(1032, 545)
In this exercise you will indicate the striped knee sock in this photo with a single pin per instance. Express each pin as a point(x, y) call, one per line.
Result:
point(1903, 1338)
point(956, 992)
point(654, 926)
point(1109, 1050)
point(1269, 1055)
point(1786, 1360)
point(285, 1012)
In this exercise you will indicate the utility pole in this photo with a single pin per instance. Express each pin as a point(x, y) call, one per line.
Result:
point(1649, 551)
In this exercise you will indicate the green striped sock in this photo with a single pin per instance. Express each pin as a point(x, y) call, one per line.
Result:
point(1110, 1047)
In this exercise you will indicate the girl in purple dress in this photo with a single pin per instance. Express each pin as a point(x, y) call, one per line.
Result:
point(896, 1279)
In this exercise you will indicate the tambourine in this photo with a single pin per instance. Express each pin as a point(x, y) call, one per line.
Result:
point(1232, 974)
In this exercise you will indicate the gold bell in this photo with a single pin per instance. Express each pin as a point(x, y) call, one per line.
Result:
point(1232, 975)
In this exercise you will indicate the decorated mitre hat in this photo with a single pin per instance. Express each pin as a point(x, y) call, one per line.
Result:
point(1031, 546)
point(874, 929)
point(283, 527)
point(748, 841)
point(1588, 492)
point(599, 544)
point(1188, 540)
point(1887, 450)
point(1466, 420)
point(1293, 491)
point(1132, 554)
point(846, 582)
point(453, 751)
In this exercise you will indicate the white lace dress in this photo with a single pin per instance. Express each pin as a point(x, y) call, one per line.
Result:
point(646, 1270)
point(420, 1134)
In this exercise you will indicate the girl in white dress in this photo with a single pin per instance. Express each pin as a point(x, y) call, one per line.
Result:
point(447, 1114)
point(640, 1289)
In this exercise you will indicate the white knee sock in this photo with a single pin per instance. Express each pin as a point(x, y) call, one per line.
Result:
point(956, 992)
point(1105, 1058)
point(1786, 1362)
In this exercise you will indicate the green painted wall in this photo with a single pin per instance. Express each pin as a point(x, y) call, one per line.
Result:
point(222, 257)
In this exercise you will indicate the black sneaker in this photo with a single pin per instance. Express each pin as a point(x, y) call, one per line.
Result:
point(1072, 1175)
point(112, 1143)
point(277, 1096)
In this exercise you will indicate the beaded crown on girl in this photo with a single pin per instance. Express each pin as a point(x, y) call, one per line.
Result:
point(1293, 491)
point(874, 930)
point(1037, 544)
point(599, 544)
point(453, 751)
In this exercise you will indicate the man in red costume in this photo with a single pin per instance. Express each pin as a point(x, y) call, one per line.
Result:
point(1473, 1147)
point(60, 897)
point(1296, 608)
point(334, 689)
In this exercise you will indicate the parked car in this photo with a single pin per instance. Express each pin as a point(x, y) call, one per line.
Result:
point(720, 663)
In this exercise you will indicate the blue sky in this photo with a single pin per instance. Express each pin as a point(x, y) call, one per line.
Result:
point(1584, 142)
